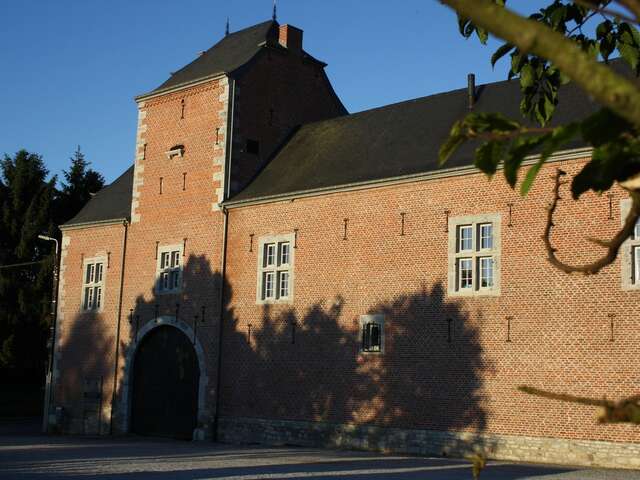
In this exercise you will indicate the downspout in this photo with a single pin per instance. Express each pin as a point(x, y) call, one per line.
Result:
point(223, 266)
point(117, 353)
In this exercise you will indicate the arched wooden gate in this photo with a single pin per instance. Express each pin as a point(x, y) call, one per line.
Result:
point(165, 385)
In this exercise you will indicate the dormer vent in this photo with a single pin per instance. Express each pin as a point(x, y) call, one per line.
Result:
point(175, 151)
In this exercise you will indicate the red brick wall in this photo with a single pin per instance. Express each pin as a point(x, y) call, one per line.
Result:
point(560, 331)
point(86, 341)
point(185, 211)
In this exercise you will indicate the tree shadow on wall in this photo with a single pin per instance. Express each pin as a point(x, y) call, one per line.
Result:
point(86, 356)
point(307, 366)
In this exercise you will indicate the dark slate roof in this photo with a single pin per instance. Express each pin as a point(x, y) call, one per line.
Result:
point(113, 202)
point(229, 54)
point(392, 141)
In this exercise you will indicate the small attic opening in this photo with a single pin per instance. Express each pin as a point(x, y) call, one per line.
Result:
point(175, 151)
point(253, 147)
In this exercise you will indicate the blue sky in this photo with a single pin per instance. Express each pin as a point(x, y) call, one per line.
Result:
point(69, 69)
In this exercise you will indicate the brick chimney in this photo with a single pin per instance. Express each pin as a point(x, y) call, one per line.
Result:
point(291, 38)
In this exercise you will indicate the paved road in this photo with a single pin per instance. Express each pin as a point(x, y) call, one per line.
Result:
point(28, 456)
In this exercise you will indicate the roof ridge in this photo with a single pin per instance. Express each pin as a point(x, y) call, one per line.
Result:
point(402, 102)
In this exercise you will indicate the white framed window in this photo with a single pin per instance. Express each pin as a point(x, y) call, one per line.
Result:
point(474, 255)
point(169, 269)
point(275, 269)
point(630, 252)
point(93, 284)
point(372, 333)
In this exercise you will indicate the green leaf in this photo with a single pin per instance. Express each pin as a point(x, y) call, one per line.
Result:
point(454, 141)
point(630, 54)
point(612, 162)
point(604, 126)
point(551, 143)
point(488, 156)
point(500, 52)
point(483, 35)
point(527, 78)
point(520, 148)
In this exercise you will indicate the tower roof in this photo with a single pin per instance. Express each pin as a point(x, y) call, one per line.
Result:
point(229, 54)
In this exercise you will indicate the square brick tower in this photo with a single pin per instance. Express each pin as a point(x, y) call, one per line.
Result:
point(155, 237)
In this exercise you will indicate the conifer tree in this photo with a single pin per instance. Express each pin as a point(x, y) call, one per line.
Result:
point(80, 182)
point(26, 198)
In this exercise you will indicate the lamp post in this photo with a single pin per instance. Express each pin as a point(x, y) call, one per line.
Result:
point(54, 300)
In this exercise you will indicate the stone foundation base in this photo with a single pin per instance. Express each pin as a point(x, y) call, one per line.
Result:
point(430, 442)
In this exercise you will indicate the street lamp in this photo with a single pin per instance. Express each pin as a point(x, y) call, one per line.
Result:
point(54, 299)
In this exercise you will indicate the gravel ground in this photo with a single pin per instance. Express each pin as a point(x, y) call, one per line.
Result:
point(25, 455)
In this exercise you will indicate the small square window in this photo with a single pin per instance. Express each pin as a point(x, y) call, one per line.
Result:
point(372, 333)
point(636, 231)
point(636, 264)
point(253, 147)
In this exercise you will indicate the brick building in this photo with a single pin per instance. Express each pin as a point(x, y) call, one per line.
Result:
point(273, 269)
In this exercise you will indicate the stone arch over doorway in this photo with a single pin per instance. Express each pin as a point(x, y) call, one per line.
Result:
point(203, 414)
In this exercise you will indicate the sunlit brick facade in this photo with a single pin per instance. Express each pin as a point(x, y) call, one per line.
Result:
point(440, 371)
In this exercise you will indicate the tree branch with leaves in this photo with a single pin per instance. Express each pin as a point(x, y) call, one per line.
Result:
point(548, 50)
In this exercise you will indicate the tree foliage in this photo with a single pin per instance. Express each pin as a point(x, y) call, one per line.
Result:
point(31, 205)
point(563, 42)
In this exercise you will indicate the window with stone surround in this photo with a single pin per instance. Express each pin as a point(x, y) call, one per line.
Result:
point(630, 252)
point(169, 269)
point(474, 255)
point(93, 284)
point(372, 333)
point(275, 269)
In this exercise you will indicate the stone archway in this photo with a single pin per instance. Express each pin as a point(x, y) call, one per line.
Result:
point(182, 342)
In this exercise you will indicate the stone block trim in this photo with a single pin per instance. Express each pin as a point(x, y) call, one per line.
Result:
point(61, 306)
point(429, 442)
point(204, 412)
point(220, 149)
point(626, 252)
point(139, 162)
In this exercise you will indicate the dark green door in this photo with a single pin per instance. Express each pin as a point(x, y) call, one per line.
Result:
point(165, 385)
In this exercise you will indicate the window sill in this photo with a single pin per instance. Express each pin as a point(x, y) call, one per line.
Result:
point(168, 292)
point(474, 293)
point(372, 352)
point(275, 301)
